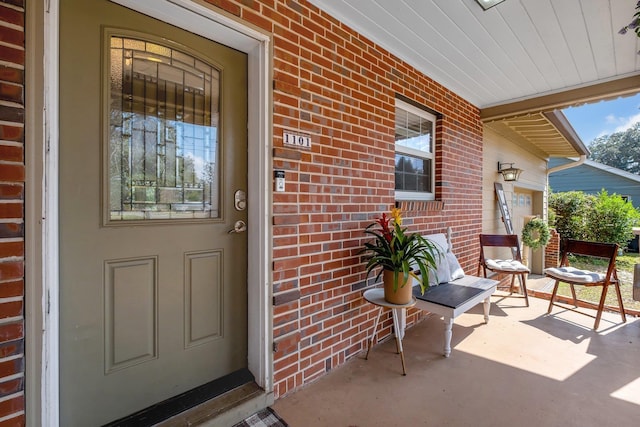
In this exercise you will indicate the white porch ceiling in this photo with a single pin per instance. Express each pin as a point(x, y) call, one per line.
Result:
point(517, 50)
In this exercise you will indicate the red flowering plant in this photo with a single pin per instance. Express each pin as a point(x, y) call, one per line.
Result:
point(396, 250)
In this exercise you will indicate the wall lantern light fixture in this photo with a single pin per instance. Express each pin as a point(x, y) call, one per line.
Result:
point(509, 173)
point(486, 4)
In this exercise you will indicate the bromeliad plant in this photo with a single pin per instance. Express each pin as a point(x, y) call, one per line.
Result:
point(396, 250)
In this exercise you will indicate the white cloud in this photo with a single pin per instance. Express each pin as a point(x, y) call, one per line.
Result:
point(611, 118)
point(627, 122)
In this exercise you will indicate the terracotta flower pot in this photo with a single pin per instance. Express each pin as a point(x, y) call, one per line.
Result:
point(403, 294)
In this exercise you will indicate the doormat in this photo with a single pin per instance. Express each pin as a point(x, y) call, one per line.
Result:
point(264, 418)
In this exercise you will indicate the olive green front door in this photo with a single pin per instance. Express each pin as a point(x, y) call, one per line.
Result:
point(153, 177)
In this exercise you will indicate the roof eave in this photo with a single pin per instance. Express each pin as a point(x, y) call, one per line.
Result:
point(560, 121)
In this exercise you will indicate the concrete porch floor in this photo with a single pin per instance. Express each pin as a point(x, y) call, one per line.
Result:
point(524, 368)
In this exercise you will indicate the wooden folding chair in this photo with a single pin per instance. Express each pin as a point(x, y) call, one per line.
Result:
point(513, 266)
point(573, 276)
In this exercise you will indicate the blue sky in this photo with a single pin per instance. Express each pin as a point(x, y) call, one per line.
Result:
point(604, 118)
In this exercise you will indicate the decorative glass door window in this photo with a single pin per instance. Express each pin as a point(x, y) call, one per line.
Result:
point(163, 149)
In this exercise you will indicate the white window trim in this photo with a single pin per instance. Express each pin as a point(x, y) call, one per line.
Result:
point(415, 195)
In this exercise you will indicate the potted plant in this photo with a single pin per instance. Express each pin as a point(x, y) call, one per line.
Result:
point(399, 253)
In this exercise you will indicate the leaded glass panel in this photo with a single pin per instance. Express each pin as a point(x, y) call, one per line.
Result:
point(163, 133)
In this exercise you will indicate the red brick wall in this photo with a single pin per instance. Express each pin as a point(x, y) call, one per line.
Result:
point(552, 250)
point(12, 173)
point(339, 88)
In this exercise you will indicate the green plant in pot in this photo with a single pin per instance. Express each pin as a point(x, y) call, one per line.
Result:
point(399, 254)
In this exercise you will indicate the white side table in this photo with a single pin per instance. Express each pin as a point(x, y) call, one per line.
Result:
point(376, 296)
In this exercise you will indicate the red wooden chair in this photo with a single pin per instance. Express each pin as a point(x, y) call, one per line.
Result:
point(576, 277)
point(513, 266)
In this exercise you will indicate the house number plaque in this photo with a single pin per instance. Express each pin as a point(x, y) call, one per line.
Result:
point(296, 140)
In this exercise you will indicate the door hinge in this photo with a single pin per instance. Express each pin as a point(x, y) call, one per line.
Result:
point(275, 346)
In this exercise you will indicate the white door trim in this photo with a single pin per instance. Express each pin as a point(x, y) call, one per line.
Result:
point(207, 22)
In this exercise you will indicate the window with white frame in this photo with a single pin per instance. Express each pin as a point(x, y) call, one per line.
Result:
point(415, 162)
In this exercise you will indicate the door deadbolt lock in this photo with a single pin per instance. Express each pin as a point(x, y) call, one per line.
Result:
point(240, 200)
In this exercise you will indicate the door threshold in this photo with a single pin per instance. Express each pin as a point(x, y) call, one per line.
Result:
point(227, 398)
point(227, 409)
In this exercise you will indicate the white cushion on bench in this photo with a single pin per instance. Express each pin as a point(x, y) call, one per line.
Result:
point(439, 240)
point(441, 275)
point(574, 274)
point(448, 266)
point(454, 266)
point(505, 265)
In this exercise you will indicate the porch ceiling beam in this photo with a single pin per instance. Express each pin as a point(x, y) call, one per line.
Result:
point(602, 91)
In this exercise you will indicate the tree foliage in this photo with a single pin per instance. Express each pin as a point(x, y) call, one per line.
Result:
point(620, 150)
point(602, 218)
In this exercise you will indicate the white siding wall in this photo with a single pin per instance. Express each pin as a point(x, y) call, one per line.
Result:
point(532, 185)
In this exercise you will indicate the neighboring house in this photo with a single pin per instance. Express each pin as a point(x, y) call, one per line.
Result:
point(148, 245)
point(592, 177)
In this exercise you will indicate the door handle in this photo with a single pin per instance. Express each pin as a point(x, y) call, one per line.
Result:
point(239, 227)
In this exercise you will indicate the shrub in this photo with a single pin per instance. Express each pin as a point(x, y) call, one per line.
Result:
point(601, 218)
point(611, 219)
point(569, 213)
